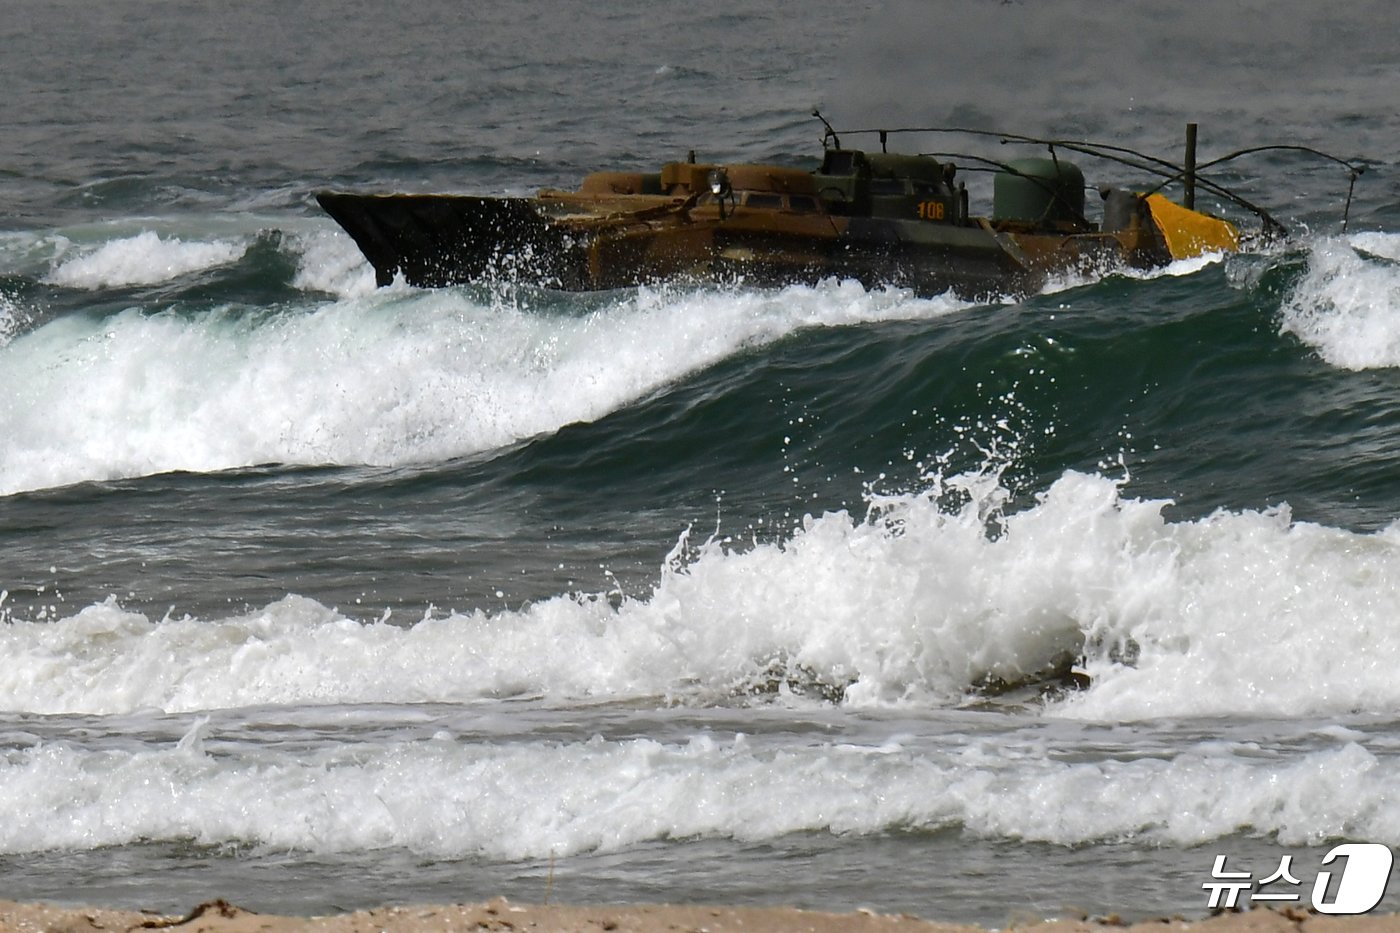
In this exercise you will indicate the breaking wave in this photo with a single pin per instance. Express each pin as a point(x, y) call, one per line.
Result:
point(1347, 305)
point(143, 259)
point(921, 603)
point(448, 797)
point(392, 378)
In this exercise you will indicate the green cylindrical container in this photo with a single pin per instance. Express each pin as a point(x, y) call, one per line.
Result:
point(1039, 191)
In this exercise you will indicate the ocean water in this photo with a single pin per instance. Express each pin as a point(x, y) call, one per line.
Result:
point(315, 595)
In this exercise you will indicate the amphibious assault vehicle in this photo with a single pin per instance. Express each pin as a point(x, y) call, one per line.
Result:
point(877, 217)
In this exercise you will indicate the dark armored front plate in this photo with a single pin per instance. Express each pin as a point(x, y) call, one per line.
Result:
point(436, 240)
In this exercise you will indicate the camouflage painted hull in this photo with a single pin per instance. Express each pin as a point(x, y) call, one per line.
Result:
point(773, 226)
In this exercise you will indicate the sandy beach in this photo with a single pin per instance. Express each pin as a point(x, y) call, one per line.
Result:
point(502, 915)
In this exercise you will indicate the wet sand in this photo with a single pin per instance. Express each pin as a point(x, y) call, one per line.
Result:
point(501, 915)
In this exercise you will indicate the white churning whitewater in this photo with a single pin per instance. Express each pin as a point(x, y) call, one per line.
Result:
point(1233, 614)
point(328, 261)
point(1177, 268)
point(1347, 306)
point(390, 378)
point(143, 259)
point(12, 318)
point(447, 797)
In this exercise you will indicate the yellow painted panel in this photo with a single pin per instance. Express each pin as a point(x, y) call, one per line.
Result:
point(1190, 233)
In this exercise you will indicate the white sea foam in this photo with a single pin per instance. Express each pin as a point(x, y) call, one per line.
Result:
point(12, 318)
point(447, 797)
point(1178, 268)
point(1234, 614)
point(391, 378)
point(1347, 305)
point(144, 259)
point(330, 262)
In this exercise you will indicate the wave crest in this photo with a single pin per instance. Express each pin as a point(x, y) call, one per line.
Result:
point(920, 603)
point(143, 259)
